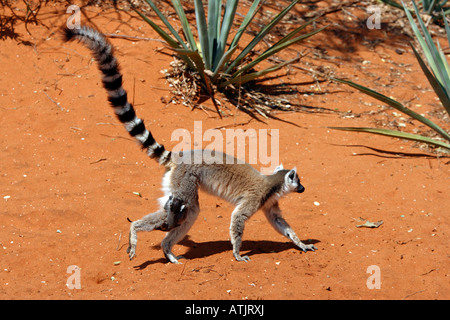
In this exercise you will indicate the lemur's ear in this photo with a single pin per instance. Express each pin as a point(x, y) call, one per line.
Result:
point(292, 173)
point(279, 168)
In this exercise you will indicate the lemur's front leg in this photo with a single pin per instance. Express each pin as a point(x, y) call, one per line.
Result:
point(273, 214)
point(240, 214)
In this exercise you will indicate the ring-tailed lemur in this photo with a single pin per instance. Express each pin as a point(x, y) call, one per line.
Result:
point(237, 183)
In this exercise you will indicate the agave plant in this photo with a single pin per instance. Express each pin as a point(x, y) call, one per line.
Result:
point(211, 56)
point(429, 7)
point(438, 77)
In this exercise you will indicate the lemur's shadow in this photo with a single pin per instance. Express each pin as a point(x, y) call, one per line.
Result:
point(204, 249)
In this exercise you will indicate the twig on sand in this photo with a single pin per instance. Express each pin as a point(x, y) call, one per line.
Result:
point(409, 295)
point(118, 244)
point(57, 103)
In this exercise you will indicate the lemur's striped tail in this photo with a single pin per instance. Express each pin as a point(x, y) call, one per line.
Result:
point(117, 96)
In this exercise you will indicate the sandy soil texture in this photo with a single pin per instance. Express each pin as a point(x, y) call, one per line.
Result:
point(70, 175)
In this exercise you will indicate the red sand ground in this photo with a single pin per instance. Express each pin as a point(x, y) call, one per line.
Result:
point(69, 170)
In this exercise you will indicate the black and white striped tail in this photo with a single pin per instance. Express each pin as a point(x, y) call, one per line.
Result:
point(117, 96)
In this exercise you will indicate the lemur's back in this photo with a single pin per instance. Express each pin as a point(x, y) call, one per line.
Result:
point(223, 175)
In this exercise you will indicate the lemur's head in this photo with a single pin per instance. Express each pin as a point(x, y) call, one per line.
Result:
point(291, 179)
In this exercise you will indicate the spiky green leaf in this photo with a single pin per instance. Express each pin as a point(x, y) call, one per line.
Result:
point(437, 87)
point(248, 18)
point(166, 23)
point(447, 28)
point(252, 76)
point(221, 64)
point(170, 41)
point(429, 48)
point(396, 134)
point(397, 105)
point(202, 32)
point(214, 14)
point(260, 36)
point(273, 50)
point(227, 22)
point(185, 24)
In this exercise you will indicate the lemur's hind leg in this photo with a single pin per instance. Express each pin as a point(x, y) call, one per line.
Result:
point(178, 233)
point(176, 212)
point(273, 214)
point(152, 221)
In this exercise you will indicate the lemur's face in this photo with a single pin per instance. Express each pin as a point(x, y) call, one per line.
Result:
point(293, 181)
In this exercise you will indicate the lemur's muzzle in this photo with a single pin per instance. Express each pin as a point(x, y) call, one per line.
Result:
point(300, 188)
